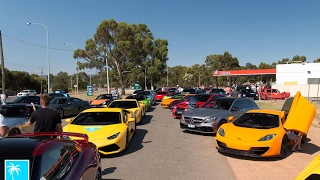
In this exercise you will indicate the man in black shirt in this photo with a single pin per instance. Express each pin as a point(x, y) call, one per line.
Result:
point(234, 93)
point(47, 120)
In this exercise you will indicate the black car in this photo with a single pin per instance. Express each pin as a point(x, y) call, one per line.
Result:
point(189, 91)
point(55, 95)
point(218, 91)
point(26, 99)
point(249, 93)
point(38, 156)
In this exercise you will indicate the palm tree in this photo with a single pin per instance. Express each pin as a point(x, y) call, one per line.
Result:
point(13, 169)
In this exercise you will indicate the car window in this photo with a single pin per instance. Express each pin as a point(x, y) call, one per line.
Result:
point(104, 96)
point(71, 101)
point(237, 104)
point(97, 118)
point(58, 101)
point(258, 120)
point(223, 104)
point(56, 163)
point(8, 111)
point(253, 104)
point(202, 98)
point(123, 104)
point(246, 104)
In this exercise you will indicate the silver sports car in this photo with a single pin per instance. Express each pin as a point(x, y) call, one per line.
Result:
point(16, 116)
point(213, 114)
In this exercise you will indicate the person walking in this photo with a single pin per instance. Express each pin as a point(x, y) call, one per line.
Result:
point(47, 119)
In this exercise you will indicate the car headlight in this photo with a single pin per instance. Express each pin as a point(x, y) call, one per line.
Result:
point(114, 136)
point(221, 132)
point(256, 94)
point(243, 95)
point(174, 106)
point(209, 120)
point(267, 137)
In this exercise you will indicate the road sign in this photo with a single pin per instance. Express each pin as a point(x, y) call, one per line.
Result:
point(89, 90)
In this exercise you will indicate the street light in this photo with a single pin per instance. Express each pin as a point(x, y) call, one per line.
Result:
point(77, 90)
point(47, 52)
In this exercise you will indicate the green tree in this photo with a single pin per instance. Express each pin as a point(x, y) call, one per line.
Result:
point(299, 58)
point(317, 60)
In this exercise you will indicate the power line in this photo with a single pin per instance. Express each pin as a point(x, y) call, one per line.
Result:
point(35, 44)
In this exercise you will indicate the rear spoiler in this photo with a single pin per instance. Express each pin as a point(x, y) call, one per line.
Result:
point(40, 134)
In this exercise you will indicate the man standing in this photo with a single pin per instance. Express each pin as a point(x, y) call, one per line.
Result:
point(47, 120)
point(234, 93)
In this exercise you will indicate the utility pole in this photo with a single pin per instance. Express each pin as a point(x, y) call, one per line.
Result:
point(71, 84)
point(2, 69)
point(167, 78)
point(41, 91)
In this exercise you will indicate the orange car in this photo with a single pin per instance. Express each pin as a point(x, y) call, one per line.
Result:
point(166, 103)
point(103, 100)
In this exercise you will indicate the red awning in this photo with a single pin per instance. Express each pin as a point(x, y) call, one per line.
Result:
point(250, 72)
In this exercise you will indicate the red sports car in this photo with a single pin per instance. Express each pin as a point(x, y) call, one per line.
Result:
point(160, 94)
point(39, 156)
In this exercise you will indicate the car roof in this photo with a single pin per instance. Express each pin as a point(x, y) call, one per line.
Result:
point(103, 110)
point(11, 146)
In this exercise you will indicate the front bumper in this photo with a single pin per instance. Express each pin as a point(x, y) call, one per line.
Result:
point(196, 128)
point(106, 146)
point(252, 149)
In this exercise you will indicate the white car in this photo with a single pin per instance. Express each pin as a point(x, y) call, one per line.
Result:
point(27, 93)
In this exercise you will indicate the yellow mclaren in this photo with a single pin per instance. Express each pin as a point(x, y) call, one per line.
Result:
point(138, 108)
point(262, 133)
point(166, 102)
point(110, 129)
point(311, 171)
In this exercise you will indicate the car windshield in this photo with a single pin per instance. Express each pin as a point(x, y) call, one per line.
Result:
point(17, 100)
point(8, 111)
point(145, 93)
point(104, 96)
point(258, 120)
point(58, 101)
point(222, 104)
point(123, 104)
point(97, 118)
point(55, 95)
point(161, 92)
point(202, 98)
point(211, 103)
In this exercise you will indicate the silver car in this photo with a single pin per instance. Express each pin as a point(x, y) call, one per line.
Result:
point(16, 116)
point(213, 114)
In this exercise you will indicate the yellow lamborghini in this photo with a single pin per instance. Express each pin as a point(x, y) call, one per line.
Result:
point(263, 132)
point(133, 105)
point(311, 171)
point(110, 129)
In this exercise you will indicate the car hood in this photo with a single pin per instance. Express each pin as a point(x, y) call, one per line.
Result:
point(300, 115)
point(312, 168)
point(204, 112)
point(95, 132)
point(247, 134)
point(15, 121)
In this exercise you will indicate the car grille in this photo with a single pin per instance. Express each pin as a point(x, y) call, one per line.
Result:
point(193, 120)
point(254, 151)
point(203, 129)
point(110, 148)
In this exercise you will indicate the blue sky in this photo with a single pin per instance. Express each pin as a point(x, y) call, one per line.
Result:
point(253, 31)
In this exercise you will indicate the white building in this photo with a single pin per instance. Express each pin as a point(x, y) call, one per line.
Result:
point(294, 77)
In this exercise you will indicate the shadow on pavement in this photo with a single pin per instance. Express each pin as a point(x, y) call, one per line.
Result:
point(135, 144)
point(310, 148)
point(200, 134)
point(108, 170)
point(151, 109)
point(145, 120)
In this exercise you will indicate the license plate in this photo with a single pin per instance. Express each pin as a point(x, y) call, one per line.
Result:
point(191, 126)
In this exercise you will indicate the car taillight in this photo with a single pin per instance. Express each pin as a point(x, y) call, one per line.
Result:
point(185, 110)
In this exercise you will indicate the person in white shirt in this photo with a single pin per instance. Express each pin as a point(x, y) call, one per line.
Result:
point(3, 125)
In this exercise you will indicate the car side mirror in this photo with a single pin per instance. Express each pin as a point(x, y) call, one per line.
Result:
point(131, 120)
point(235, 109)
point(68, 120)
point(230, 118)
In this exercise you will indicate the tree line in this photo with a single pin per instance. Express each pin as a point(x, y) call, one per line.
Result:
point(130, 53)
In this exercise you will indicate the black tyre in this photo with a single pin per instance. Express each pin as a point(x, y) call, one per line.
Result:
point(14, 131)
point(135, 127)
point(61, 113)
point(98, 175)
point(284, 147)
point(127, 141)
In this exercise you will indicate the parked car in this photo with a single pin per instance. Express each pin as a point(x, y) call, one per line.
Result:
point(36, 156)
point(111, 129)
point(174, 103)
point(103, 100)
point(248, 93)
point(55, 95)
point(202, 98)
point(311, 171)
point(179, 108)
point(136, 91)
point(59, 91)
point(27, 93)
point(160, 94)
point(150, 95)
point(218, 91)
point(17, 115)
point(274, 94)
point(68, 106)
point(210, 118)
point(143, 99)
point(263, 133)
point(26, 99)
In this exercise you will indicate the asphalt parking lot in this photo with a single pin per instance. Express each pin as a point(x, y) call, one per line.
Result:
point(161, 150)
